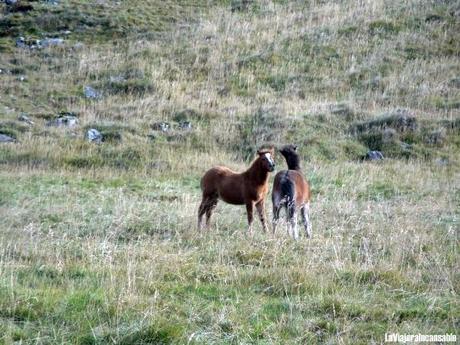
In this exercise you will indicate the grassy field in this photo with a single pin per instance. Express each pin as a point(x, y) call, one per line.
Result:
point(98, 242)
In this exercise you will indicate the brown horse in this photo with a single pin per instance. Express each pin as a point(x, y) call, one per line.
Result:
point(248, 188)
point(291, 190)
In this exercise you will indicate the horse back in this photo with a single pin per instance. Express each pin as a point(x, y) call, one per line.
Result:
point(291, 182)
point(223, 182)
point(303, 193)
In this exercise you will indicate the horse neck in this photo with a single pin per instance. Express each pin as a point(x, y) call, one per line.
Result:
point(293, 162)
point(257, 173)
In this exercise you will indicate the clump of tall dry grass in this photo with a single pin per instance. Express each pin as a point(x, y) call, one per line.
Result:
point(99, 242)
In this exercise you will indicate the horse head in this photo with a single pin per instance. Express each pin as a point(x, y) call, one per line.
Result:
point(289, 152)
point(266, 158)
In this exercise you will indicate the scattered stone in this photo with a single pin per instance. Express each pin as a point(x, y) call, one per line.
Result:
point(374, 156)
point(48, 42)
point(442, 161)
point(24, 118)
point(11, 2)
point(185, 125)
point(455, 13)
point(161, 126)
point(455, 82)
point(436, 137)
point(374, 82)
point(433, 18)
point(63, 121)
point(6, 139)
point(22, 78)
point(21, 42)
point(117, 79)
point(241, 5)
point(78, 46)
point(33, 43)
point(91, 93)
point(452, 126)
point(68, 113)
point(93, 135)
point(223, 91)
point(160, 165)
point(151, 136)
point(405, 147)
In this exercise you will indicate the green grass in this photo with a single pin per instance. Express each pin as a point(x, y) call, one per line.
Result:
point(98, 241)
point(150, 261)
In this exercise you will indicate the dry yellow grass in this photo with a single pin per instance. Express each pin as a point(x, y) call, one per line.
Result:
point(98, 242)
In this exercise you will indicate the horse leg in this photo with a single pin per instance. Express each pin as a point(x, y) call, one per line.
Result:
point(294, 226)
point(201, 212)
point(306, 219)
point(207, 203)
point(250, 210)
point(260, 206)
point(276, 202)
point(276, 216)
point(288, 221)
point(211, 206)
point(292, 220)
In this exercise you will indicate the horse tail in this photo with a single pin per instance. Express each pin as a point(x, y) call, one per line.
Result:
point(288, 194)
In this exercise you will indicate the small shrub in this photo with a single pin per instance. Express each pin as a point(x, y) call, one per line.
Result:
point(31, 159)
point(194, 115)
point(111, 132)
point(353, 150)
point(343, 110)
point(125, 158)
point(348, 30)
point(12, 128)
point(160, 332)
point(379, 191)
point(240, 86)
point(136, 229)
point(381, 27)
point(137, 87)
point(413, 52)
point(324, 326)
point(452, 126)
point(276, 82)
point(82, 162)
point(398, 120)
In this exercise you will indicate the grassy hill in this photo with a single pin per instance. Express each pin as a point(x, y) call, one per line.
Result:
point(98, 241)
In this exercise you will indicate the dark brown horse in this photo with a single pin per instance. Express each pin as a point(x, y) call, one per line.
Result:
point(291, 190)
point(248, 188)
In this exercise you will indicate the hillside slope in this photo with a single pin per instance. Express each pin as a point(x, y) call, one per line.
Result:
point(98, 241)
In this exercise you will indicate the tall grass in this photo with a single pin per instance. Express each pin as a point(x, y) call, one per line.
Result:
point(98, 241)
